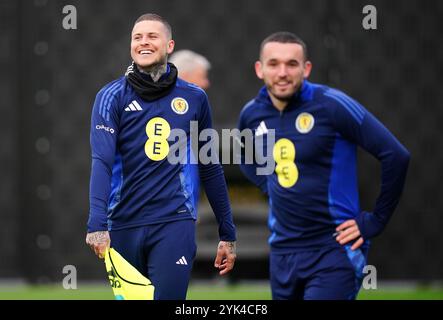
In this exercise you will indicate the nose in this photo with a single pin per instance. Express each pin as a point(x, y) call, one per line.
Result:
point(145, 40)
point(282, 71)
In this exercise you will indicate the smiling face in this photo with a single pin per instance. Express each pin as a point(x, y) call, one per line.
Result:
point(283, 68)
point(150, 44)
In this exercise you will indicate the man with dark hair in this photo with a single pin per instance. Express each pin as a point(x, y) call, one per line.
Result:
point(286, 37)
point(141, 204)
point(320, 237)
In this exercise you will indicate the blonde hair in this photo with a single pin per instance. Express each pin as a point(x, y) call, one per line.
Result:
point(187, 60)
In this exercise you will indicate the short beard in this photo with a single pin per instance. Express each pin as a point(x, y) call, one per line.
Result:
point(284, 99)
point(156, 70)
point(281, 98)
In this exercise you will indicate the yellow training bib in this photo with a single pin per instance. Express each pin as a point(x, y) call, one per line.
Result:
point(126, 281)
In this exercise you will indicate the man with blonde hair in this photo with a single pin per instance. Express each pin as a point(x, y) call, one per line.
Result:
point(192, 67)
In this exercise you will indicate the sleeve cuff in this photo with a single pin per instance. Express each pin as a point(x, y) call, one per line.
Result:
point(226, 231)
point(369, 225)
point(95, 225)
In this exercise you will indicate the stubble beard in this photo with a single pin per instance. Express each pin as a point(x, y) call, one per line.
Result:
point(283, 98)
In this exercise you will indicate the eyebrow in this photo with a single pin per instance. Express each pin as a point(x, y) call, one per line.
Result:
point(289, 61)
point(149, 33)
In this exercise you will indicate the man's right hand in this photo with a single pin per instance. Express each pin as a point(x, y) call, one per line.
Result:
point(99, 241)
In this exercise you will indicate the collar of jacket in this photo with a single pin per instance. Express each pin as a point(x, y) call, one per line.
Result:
point(146, 88)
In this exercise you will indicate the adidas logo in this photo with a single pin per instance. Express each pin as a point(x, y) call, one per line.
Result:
point(182, 261)
point(134, 106)
point(261, 129)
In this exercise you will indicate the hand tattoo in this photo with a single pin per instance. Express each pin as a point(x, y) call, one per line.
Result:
point(98, 237)
point(229, 244)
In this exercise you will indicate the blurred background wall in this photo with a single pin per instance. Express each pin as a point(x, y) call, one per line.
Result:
point(49, 78)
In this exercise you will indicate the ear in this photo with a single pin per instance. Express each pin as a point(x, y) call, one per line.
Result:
point(259, 69)
point(307, 69)
point(171, 45)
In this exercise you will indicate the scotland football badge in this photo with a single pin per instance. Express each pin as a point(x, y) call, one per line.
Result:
point(305, 122)
point(179, 105)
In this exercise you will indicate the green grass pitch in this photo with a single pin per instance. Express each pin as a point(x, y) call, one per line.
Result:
point(202, 292)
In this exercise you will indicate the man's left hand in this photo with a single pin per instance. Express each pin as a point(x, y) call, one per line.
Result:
point(349, 231)
point(225, 256)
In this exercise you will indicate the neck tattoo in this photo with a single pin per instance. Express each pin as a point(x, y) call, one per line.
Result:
point(155, 71)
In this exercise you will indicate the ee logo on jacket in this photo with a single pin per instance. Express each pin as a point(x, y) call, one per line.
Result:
point(157, 146)
point(284, 156)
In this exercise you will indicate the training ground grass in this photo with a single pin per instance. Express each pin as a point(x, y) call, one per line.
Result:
point(203, 292)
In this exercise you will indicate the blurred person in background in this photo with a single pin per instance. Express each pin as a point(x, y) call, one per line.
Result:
point(320, 237)
point(142, 205)
point(192, 67)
